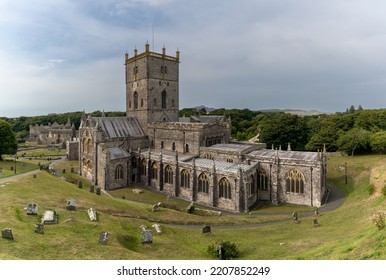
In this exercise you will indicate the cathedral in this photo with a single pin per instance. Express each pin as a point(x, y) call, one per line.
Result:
point(193, 158)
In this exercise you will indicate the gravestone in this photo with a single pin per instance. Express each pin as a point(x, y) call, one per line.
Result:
point(295, 217)
point(157, 228)
point(98, 191)
point(80, 184)
point(103, 238)
point(316, 224)
point(206, 230)
point(316, 212)
point(137, 191)
point(39, 228)
point(221, 252)
point(32, 208)
point(7, 233)
point(92, 188)
point(147, 236)
point(156, 207)
point(72, 169)
point(64, 171)
point(92, 214)
point(49, 217)
point(71, 204)
point(191, 208)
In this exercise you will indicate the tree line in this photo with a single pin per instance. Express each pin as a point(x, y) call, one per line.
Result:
point(353, 131)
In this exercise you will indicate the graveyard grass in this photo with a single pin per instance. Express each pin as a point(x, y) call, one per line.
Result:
point(345, 233)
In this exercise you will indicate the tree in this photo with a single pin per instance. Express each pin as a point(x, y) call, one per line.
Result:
point(378, 141)
point(8, 143)
point(354, 139)
point(327, 134)
point(284, 129)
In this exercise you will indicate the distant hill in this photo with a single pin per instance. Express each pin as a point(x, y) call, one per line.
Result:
point(295, 111)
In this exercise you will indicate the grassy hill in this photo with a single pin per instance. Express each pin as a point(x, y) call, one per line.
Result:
point(345, 233)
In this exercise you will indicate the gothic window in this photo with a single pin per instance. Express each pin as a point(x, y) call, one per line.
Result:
point(295, 181)
point(119, 172)
point(186, 148)
point(203, 183)
point(262, 179)
point(89, 146)
point(162, 144)
point(135, 70)
point(168, 175)
point(251, 186)
point(173, 146)
point(135, 100)
point(225, 188)
point(163, 98)
point(143, 167)
point(185, 179)
point(154, 171)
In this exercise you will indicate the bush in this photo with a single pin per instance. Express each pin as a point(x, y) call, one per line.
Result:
point(224, 250)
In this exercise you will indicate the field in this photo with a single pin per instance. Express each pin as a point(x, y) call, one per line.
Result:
point(267, 233)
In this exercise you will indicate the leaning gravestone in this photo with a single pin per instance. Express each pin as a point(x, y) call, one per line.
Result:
point(206, 230)
point(92, 214)
point(156, 207)
point(32, 208)
point(157, 228)
point(39, 228)
point(7, 234)
point(71, 204)
point(147, 236)
point(103, 238)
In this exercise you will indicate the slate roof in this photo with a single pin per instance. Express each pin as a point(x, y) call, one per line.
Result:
point(291, 155)
point(230, 147)
point(116, 127)
point(117, 153)
point(221, 165)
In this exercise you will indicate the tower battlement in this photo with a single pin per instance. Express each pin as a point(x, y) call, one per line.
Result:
point(148, 53)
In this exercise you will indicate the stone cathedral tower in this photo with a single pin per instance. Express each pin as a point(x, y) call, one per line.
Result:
point(152, 83)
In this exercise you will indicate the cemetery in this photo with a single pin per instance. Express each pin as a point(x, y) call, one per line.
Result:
point(45, 210)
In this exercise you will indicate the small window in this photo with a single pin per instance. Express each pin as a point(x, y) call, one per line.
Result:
point(173, 146)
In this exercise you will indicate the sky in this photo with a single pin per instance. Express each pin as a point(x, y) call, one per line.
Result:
point(68, 55)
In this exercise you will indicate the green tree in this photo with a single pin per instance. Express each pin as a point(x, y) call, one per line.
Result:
point(327, 134)
point(354, 139)
point(8, 143)
point(378, 141)
point(284, 129)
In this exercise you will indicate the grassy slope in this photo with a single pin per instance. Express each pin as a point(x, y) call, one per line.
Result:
point(346, 233)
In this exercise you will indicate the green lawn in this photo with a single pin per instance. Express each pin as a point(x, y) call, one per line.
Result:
point(345, 233)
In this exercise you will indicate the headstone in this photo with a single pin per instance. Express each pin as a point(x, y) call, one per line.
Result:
point(221, 252)
point(191, 208)
point(157, 228)
point(32, 208)
point(64, 171)
point(39, 228)
point(7, 233)
point(316, 212)
point(156, 207)
point(316, 223)
point(206, 230)
point(103, 238)
point(80, 184)
point(98, 191)
point(71, 204)
point(147, 236)
point(92, 188)
point(72, 169)
point(295, 217)
point(137, 191)
point(92, 214)
point(49, 217)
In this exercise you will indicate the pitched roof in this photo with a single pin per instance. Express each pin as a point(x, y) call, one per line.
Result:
point(116, 127)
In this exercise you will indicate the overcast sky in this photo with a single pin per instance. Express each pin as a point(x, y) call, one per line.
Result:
point(63, 56)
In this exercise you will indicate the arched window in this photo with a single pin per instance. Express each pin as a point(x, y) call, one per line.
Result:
point(295, 181)
point(135, 97)
point(89, 146)
point(185, 179)
point(119, 172)
point(133, 162)
point(143, 167)
point(173, 146)
point(251, 186)
point(225, 188)
point(163, 98)
point(162, 144)
point(186, 148)
point(168, 175)
point(262, 179)
point(203, 183)
point(154, 171)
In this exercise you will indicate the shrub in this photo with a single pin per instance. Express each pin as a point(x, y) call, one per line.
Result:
point(224, 250)
point(378, 220)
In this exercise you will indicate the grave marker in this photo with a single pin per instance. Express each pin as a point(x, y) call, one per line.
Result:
point(103, 238)
point(32, 208)
point(39, 228)
point(206, 230)
point(71, 204)
point(7, 234)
